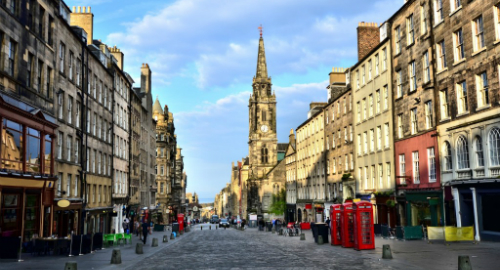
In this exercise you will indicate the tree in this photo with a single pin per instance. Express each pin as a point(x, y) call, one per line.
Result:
point(278, 207)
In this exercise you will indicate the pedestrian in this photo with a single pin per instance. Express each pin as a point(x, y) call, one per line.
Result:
point(145, 230)
point(125, 225)
point(327, 221)
point(136, 227)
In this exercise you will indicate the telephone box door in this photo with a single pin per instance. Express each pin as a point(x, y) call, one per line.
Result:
point(335, 224)
point(363, 226)
point(347, 225)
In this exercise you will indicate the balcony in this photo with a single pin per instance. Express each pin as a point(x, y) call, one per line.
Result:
point(494, 172)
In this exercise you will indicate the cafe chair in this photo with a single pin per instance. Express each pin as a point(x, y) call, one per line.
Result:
point(107, 238)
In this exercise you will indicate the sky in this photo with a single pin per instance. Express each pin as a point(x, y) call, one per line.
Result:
point(203, 55)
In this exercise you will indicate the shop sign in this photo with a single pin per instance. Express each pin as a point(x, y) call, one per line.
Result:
point(63, 203)
point(318, 206)
point(308, 206)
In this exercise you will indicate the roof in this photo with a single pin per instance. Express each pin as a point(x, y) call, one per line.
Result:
point(157, 107)
point(282, 147)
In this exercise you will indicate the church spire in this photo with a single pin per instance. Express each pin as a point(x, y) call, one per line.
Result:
point(261, 59)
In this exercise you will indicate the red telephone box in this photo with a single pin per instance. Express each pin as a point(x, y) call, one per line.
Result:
point(335, 224)
point(347, 225)
point(180, 220)
point(363, 225)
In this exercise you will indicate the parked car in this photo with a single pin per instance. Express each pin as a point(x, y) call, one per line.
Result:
point(224, 223)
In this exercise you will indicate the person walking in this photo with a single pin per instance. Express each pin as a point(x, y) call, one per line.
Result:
point(125, 225)
point(327, 221)
point(145, 230)
point(136, 227)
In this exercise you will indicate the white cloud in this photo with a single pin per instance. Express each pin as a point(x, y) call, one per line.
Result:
point(223, 47)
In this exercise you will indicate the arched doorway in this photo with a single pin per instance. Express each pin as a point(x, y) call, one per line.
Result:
point(299, 215)
point(305, 218)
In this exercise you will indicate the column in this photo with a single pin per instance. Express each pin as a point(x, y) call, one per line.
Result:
point(476, 222)
point(456, 198)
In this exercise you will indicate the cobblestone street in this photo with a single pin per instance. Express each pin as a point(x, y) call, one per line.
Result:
point(251, 249)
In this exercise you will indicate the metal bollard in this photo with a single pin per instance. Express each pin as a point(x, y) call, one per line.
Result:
point(165, 239)
point(172, 237)
point(386, 252)
point(70, 266)
point(116, 256)
point(154, 243)
point(464, 263)
point(138, 248)
point(320, 240)
point(302, 236)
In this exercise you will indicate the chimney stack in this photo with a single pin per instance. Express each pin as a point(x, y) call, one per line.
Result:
point(118, 56)
point(84, 19)
point(368, 38)
point(146, 79)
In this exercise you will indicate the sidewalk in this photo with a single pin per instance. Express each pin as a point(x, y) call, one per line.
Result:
point(99, 260)
point(412, 254)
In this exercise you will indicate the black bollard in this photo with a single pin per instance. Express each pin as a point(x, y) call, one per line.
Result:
point(210, 227)
point(201, 228)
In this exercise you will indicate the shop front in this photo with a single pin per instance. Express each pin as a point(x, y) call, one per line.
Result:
point(98, 220)
point(424, 208)
point(290, 215)
point(476, 205)
point(67, 218)
point(319, 209)
point(26, 172)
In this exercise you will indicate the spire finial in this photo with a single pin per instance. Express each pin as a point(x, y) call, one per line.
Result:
point(260, 30)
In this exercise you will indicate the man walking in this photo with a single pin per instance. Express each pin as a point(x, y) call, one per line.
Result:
point(145, 229)
point(125, 225)
point(327, 221)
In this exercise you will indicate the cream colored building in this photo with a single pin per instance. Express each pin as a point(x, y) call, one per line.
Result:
point(311, 165)
point(373, 124)
point(373, 141)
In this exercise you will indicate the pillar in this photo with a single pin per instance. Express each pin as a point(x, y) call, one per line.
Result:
point(476, 221)
point(456, 198)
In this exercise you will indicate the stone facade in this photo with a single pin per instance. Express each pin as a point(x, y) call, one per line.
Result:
point(338, 142)
point(368, 38)
point(166, 151)
point(311, 170)
point(416, 155)
point(468, 116)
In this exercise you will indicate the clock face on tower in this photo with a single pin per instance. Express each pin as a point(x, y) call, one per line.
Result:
point(264, 128)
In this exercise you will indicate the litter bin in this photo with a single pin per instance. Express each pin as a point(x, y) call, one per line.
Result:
point(314, 231)
point(175, 227)
point(321, 229)
point(269, 226)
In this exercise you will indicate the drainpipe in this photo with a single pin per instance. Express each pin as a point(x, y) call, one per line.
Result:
point(476, 222)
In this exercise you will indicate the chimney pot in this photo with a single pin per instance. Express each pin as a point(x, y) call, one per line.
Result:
point(74, 9)
point(79, 10)
point(88, 9)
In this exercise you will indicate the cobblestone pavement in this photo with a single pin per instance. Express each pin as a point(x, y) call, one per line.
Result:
point(251, 249)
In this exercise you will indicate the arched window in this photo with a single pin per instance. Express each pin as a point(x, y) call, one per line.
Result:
point(478, 148)
point(462, 153)
point(447, 156)
point(494, 144)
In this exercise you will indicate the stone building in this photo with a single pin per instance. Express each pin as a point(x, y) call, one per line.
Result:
point(311, 170)
point(338, 140)
point(28, 62)
point(165, 156)
point(291, 179)
point(373, 141)
point(179, 184)
point(266, 172)
point(134, 193)
point(148, 142)
point(466, 65)
point(415, 137)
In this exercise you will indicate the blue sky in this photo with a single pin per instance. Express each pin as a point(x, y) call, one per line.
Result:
point(203, 55)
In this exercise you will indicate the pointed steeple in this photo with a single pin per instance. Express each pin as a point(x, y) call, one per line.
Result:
point(157, 107)
point(261, 61)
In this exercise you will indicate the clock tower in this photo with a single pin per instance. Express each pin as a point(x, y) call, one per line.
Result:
point(262, 136)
